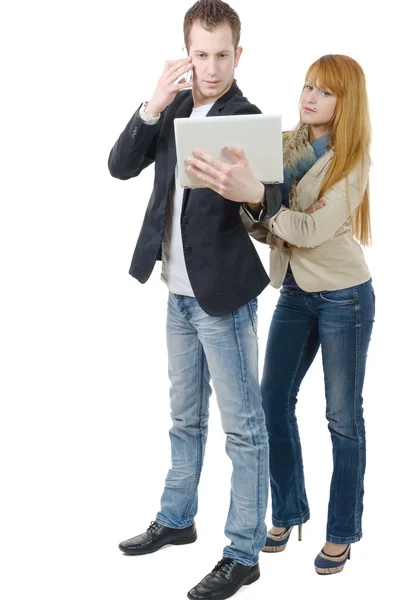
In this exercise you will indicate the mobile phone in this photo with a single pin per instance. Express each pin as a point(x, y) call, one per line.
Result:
point(189, 76)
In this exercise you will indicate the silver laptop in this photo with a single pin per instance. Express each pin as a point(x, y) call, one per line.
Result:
point(259, 136)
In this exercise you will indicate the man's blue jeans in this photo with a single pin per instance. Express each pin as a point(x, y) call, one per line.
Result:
point(341, 323)
point(225, 349)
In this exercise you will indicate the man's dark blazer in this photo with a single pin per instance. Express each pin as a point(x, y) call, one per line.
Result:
point(223, 266)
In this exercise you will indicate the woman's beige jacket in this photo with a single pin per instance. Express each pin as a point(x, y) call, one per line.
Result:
point(323, 254)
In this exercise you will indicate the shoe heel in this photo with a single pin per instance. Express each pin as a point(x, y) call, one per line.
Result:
point(253, 578)
point(184, 540)
point(300, 532)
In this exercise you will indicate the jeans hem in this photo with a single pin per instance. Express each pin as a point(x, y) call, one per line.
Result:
point(242, 561)
point(291, 522)
point(334, 539)
point(164, 523)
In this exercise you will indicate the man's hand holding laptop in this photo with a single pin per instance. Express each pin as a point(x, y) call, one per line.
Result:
point(233, 181)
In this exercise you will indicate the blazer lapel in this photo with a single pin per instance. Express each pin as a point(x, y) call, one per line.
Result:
point(310, 184)
point(320, 165)
point(219, 105)
point(315, 170)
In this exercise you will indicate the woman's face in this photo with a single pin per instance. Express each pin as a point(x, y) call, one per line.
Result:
point(317, 106)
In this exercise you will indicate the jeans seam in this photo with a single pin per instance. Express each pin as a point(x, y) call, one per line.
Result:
point(258, 499)
point(249, 425)
point(200, 382)
point(357, 521)
point(356, 411)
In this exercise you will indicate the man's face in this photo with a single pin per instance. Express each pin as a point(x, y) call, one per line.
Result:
point(214, 61)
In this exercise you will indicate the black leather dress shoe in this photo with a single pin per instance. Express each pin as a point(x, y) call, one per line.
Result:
point(158, 536)
point(224, 580)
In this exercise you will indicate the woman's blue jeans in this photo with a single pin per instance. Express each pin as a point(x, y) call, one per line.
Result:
point(341, 323)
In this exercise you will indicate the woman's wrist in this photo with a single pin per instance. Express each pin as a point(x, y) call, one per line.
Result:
point(255, 209)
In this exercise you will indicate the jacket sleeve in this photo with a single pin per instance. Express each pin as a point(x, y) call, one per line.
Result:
point(272, 204)
point(135, 148)
point(309, 231)
point(254, 227)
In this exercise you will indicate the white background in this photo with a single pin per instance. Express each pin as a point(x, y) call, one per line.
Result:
point(84, 401)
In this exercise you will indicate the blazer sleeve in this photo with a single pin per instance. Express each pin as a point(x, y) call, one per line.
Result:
point(342, 199)
point(135, 148)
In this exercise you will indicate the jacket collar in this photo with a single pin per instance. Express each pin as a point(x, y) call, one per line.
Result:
point(220, 104)
point(186, 106)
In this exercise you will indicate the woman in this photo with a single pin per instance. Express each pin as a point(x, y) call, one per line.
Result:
point(326, 299)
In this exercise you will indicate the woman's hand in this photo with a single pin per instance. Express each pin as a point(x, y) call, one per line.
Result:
point(234, 181)
point(316, 206)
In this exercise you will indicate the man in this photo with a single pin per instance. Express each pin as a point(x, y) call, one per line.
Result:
point(214, 276)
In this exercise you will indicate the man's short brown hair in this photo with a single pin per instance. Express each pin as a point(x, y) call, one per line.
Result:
point(211, 14)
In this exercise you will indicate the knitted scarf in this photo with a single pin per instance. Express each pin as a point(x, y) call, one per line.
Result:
point(298, 157)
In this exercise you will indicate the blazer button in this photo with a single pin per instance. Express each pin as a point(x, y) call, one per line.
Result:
point(134, 132)
point(188, 249)
point(185, 220)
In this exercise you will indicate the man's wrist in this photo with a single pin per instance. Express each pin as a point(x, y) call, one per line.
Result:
point(151, 110)
point(147, 118)
point(257, 206)
point(259, 197)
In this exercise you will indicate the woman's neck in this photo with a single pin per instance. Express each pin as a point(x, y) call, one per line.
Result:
point(316, 131)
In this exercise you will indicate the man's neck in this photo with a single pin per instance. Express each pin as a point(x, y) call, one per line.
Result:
point(200, 100)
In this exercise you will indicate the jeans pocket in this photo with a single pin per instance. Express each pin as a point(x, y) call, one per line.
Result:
point(340, 297)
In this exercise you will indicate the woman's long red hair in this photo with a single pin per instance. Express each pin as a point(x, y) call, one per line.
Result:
point(351, 127)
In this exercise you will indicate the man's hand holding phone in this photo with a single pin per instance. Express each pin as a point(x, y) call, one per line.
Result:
point(172, 80)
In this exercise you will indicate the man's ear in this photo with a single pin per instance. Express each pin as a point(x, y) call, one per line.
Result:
point(238, 54)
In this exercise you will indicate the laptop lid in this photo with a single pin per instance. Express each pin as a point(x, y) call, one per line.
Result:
point(259, 136)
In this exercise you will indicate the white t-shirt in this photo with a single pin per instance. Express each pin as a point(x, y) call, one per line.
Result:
point(174, 273)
